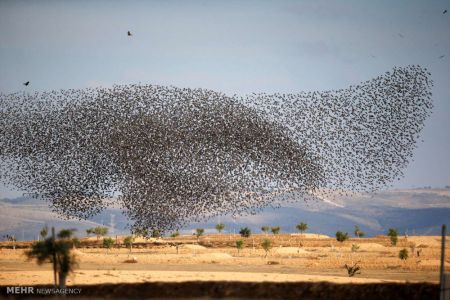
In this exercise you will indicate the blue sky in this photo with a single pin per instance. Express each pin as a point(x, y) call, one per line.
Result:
point(233, 47)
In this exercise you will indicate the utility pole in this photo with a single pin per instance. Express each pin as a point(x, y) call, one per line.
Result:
point(54, 255)
point(442, 273)
point(112, 223)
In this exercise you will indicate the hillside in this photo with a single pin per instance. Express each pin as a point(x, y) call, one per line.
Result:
point(415, 212)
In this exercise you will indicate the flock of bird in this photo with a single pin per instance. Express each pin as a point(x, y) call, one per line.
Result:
point(169, 155)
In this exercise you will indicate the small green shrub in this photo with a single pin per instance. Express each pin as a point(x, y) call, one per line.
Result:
point(341, 236)
point(265, 229)
point(245, 232)
point(353, 270)
point(393, 235)
point(403, 254)
point(199, 232)
point(220, 227)
point(108, 242)
point(302, 227)
point(275, 230)
point(239, 245)
point(266, 245)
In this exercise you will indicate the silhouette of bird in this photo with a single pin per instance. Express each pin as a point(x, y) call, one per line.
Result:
point(441, 57)
point(26, 83)
point(178, 155)
point(401, 35)
point(445, 11)
point(129, 33)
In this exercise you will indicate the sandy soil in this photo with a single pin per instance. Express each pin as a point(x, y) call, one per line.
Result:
point(319, 259)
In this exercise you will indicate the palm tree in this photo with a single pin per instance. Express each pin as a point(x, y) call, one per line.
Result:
point(56, 252)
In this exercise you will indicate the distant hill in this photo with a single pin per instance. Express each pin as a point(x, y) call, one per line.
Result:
point(413, 211)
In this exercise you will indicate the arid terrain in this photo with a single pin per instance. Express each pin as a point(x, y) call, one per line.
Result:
point(293, 258)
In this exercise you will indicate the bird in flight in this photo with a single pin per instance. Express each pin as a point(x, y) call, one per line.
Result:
point(401, 35)
point(445, 11)
point(129, 33)
point(441, 57)
point(26, 83)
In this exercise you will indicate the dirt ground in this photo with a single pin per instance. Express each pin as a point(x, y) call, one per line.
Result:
point(294, 258)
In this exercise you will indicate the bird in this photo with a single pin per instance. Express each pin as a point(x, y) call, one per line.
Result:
point(129, 33)
point(445, 11)
point(401, 35)
point(441, 57)
point(26, 83)
point(178, 155)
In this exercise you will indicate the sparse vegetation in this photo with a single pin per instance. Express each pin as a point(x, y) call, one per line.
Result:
point(107, 243)
point(156, 233)
point(141, 232)
point(302, 227)
point(44, 231)
point(99, 231)
point(57, 252)
point(128, 242)
point(341, 236)
point(12, 239)
point(265, 229)
point(245, 232)
point(352, 270)
point(220, 227)
point(358, 232)
point(239, 245)
point(175, 234)
point(66, 233)
point(199, 232)
point(316, 256)
point(266, 245)
point(275, 230)
point(403, 254)
point(393, 236)
point(75, 242)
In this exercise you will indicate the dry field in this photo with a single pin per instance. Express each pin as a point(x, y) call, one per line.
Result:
point(293, 258)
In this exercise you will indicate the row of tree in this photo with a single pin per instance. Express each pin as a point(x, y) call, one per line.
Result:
point(302, 227)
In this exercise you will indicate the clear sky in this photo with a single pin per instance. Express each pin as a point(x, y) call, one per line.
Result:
point(233, 47)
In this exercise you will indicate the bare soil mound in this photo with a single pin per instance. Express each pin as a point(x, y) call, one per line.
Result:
point(371, 247)
point(311, 235)
point(214, 255)
point(194, 247)
point(290, 250)
point(430, 241)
